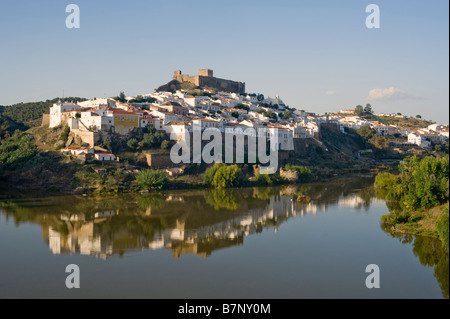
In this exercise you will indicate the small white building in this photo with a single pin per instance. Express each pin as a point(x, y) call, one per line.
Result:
point(57, 109)
point(418, 139)
point(103, 157)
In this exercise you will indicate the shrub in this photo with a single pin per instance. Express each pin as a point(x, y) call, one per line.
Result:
point(165, 144)
point(132, 143)
point(228, 176)
point(263, 180)
point(151, 179)
point(385, 180)
point(422, 183)
point(65, 134)
point(223, 176)
point(442, 226)
point(16, 150)
point(304, 173)
point(210, 173)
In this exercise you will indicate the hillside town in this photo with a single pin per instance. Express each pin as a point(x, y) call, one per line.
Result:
point(94, 120)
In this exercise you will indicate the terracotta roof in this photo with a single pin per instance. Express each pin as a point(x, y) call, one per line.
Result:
point(176, 123)
point(105, 154)
point(120, 111)
point(172, 103)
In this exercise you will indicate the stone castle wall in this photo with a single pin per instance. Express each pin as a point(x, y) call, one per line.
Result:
point(206, 78)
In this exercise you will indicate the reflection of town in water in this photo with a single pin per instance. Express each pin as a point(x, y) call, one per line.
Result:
point(196, 222)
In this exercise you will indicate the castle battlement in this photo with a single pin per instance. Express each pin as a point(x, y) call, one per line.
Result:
point(205, 78)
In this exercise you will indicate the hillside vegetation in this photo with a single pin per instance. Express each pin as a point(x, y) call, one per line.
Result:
point(27, 112)
point(418, 197)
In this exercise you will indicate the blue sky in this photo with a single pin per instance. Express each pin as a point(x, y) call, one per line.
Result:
point(317, 55)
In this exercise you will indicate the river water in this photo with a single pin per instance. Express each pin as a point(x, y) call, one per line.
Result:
point(241, 243)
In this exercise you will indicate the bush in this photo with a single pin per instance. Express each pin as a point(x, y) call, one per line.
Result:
point(222, 176)
point(442, 226)
point(263, 180)
point(65, 134)
point(132, 144)
point(165, 144)
point(152, 139)
point(151, 180)
point(16, 150)
point(210, 173)
point(228, 176)
point(422, 184)
point(304, 173)
point(385, 180)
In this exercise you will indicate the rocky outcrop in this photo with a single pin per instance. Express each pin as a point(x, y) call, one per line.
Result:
point(291, 176)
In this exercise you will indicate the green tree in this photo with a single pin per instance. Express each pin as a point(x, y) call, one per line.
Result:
point(286, 115)
point(418, 116)
point(359, 110)
point(165, 144)
point(366, 132)
point(210, 173)
point(227, 176)
point(65, 134)
point(121, 97)
point(132, 143)
point(151, 180)
point(442, 227)
point(16, 150)
point(368, 109)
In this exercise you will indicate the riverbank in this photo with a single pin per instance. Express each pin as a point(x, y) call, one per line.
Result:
point(417, 198)
point(419, 223)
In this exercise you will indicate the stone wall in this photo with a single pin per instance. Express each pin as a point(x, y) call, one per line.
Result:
point(301, 146)
point(158, 161)
point(222, 84)
point(45, 120)
point(205, 78)
point(87, 137)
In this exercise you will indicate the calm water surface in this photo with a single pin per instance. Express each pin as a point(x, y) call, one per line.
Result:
point(246, 243)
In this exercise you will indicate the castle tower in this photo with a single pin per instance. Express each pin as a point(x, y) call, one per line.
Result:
point(205, 72)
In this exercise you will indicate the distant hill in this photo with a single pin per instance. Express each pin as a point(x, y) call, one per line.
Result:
point(175, 85)
point(8, 126)
point(409, 122)
point(28, 113)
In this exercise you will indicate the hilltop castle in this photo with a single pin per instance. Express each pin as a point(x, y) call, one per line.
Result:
point(205, 78)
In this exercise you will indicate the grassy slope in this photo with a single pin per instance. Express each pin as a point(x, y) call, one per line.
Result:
point(421, 223)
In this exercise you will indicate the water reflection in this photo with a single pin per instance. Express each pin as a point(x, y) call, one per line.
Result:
point(196, 222)
point(431, 253)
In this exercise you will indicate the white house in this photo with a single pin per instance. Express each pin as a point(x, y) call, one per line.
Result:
point(285, 136)
point(436, 127)
point(57, 109)
point(417, 139)
point(206, 123)
point(382, 130)
point(105, 157)
point(96, 103)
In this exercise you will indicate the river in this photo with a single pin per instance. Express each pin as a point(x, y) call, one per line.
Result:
point(240, 243)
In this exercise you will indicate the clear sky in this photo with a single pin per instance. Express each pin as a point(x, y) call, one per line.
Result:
point(317, 55)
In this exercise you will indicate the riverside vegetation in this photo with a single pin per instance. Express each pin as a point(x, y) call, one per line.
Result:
point(417, 197)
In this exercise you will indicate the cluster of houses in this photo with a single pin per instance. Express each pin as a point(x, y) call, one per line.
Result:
point(178, 113)
point(423, 137)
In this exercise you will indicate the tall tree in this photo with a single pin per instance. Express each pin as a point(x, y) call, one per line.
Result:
point(359, 110)
point(368, 109)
